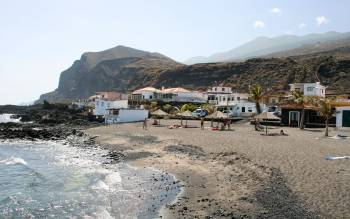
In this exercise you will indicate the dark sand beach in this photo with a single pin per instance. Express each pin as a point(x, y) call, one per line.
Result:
point(239, 173)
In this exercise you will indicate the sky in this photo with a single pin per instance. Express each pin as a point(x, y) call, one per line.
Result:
point(39, 38)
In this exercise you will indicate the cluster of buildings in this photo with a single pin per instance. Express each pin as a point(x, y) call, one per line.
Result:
point(118, 107)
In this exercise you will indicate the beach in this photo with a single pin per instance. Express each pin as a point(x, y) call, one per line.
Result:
point(240, 173)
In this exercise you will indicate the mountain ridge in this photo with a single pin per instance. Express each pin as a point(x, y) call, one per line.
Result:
point(262, 46)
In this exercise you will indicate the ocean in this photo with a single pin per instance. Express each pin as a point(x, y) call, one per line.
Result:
point(55, 180)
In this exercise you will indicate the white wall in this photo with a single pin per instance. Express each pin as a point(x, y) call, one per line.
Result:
point(219, 89)
point(314, 89)
point(102, 105)
point(127, 115)
point(339, 115)
point(147, 95)
point(194, 97)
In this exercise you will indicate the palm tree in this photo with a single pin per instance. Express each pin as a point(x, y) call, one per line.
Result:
point(256, 95)
point(326, 111)
point(299, 98)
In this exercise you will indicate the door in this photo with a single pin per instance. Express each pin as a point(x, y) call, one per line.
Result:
point(243, 109)
point(294, 117)
point(346, 118)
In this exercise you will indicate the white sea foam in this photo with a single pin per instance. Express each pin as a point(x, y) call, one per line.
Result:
point(103, 214)
point(113, 178)
point(13, 161)
point(100, 185)
point(4, 118)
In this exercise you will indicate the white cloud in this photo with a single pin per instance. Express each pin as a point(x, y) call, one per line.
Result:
point(302, 25)
point(259, 24)
point(321, 20)
point(276, 11)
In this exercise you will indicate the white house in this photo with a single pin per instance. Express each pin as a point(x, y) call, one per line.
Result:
point(223, 96)
point(236, 104)
point(147, 93)
point(176, 94)
point(125, 115)
point(101, 106)
point(309, 89)
point(343, 117)
point(179, 94)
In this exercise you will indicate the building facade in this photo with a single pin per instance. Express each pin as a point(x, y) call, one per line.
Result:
point(177, 94)
point(309, 89)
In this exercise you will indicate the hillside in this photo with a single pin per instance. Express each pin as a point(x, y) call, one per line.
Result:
point(117, 69)
point(262, 46)
point(270, 73)
point(331, 67)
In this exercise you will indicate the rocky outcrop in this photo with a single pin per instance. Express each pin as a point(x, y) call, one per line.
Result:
point(117, 69)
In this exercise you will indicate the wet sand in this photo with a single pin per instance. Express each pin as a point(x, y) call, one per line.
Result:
point(239, 173)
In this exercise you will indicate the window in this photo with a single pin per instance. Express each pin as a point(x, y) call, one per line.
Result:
point(228, 99)
point(243, 109)
point(310, 89)
point(223, 98)
point(250, 109)
point(150, 96)
point(238, 98)
point(223, 89)
point(97, 103)
point(102, 104)
point(143, 96)
point(108, 105)
point(215, 89)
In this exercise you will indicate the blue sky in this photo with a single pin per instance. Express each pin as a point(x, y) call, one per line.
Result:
point(39, 39)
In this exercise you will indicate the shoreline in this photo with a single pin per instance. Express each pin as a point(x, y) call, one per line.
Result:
point(236, 173)
point(22, 134)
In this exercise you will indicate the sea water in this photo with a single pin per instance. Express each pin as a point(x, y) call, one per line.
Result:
point(54, 180)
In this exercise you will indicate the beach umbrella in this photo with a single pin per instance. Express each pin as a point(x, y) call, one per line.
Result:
point(267, 116)
point(187, 114)
point(217, 115)
point(159, 113)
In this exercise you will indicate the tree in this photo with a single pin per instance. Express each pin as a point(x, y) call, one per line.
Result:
point(299, 98)
point(209, 108)
point(326, 111)
point(167, 108)
point(256, 94)
point(188, 106)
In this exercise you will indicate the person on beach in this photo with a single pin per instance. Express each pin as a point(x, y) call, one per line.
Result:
point(202, 123)
point(144, 126)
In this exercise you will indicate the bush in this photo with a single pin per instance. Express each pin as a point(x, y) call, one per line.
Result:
point(189, 107)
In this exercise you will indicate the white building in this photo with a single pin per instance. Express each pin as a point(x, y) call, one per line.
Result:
point(223, 96)
point(235, 104)
point(147, 93)
point(101, 106)
point(177, 94)
point(343, 117)
point(309, 89)
point(125, 115)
